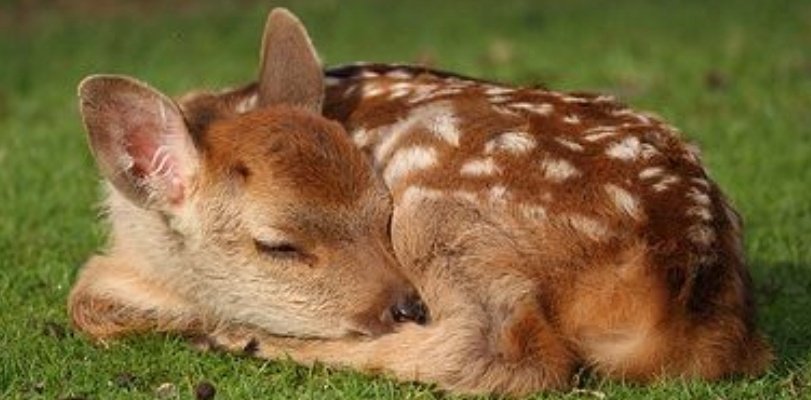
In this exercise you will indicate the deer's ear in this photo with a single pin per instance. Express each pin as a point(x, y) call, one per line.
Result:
point(290, 72)
point(139, 139)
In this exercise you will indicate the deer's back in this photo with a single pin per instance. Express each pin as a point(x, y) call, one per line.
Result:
point(533, 155)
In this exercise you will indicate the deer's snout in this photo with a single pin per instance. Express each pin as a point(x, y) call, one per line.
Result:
point(409, 308)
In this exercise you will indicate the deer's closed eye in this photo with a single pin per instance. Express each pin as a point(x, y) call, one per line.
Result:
point(278, 249)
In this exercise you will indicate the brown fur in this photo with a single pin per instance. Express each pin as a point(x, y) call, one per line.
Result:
point(645, 299)
point(544, 231)
point(657, 289)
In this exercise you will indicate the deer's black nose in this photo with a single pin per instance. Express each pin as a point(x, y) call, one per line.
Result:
point(410, 308)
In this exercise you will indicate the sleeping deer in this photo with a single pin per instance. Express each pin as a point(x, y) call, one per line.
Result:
point(544, 231)
point(271, 218)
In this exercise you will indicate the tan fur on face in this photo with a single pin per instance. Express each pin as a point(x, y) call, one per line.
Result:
point(267, 170)
point(225, 215)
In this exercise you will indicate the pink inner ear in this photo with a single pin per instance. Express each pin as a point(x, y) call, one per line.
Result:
point(139, 147)
point(153, 145)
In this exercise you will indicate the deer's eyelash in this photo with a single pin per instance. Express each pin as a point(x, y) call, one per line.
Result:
point(278, 249)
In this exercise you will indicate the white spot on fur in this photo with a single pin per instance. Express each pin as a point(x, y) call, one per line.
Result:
point(571, 119)
point(422, 93)
point(460, 83)
point(558, 170)
point(448, 91)
point(569, 144)
point(651, 172)
point(698, 197)
point(361, 137)
point(399, 74)
point(499, 99)
point(599, 133)
point(397, 94)
point(693, 153)
point(371, 89)
point(627, 149)
point(642, 118)
point(444, 126)
point(629, 125)
point(701, 234)
point(400, 89)
point(331, 81)
point(511, 142)
point(702, 204)
point(701, 182)
point(574, 99)
point(623, 200)
point(247, 104)
point(590, 227)
point(541, 109)
point(480, 167)
point(498, 194)
point(368, 74)
point(702, 213)
point(436, 116)
point(505, 110)
point(624, 112)
point(408, 160)
point(498, 90)
point(665, 183)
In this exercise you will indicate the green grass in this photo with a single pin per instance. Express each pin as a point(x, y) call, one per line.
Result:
point(734, 75)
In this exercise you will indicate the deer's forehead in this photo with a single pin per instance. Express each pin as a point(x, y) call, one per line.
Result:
point(291, 151)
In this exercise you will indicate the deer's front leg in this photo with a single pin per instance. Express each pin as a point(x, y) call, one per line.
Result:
point(111, 298)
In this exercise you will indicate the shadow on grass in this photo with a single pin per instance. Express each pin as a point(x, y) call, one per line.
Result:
point(783, 291)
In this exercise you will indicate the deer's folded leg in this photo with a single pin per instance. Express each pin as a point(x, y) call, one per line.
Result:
point(461, 353)
point(112, 298)
point(486, 333)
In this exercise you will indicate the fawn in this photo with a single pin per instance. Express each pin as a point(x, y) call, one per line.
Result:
point(271, 218)
point(545, 232)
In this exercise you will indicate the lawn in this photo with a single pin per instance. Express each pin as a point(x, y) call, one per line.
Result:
point(734, 75)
